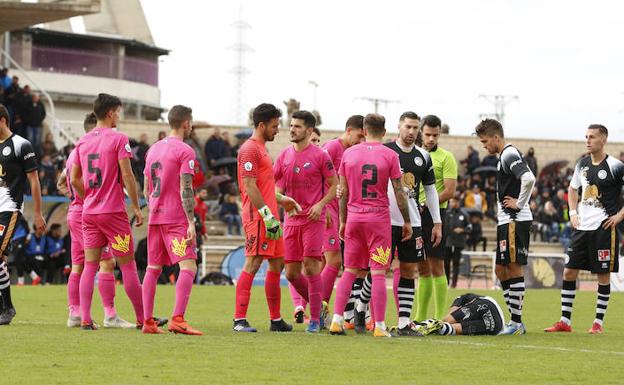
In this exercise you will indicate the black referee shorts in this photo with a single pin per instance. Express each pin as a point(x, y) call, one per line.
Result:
point(427, 229)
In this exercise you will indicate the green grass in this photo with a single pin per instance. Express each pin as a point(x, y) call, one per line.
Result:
point(38, 348)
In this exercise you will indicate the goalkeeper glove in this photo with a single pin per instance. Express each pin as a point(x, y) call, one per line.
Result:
point(273, 227)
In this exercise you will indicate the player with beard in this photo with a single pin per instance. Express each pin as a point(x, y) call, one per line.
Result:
point(261, 222)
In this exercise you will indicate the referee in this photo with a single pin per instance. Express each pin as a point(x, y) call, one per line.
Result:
point(432, 279)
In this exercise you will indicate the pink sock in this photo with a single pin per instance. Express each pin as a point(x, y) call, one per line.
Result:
point(296, 298)
point(301, 285)
point(396, 276)
point(106, 285)
point(343, 292)
point(273, 294)
point(132, 285)
point(149, 291)
point(87, 282)
point(183, 292)
point(73, 294)
point(328, 277)
point(381, 297)
point(315, 286)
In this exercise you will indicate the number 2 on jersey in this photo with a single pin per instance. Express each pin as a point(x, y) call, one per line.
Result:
point(369, 181)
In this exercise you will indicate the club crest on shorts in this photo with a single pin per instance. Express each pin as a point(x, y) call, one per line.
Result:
point(382, 255)
point(265, 246)
point(502, 245)
point(604, 255)
point(2, 227)
point(332, 240)
point(121, 244)
point(419, 243)
point(178, 247)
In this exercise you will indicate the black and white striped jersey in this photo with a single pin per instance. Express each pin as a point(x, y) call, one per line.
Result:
point(416, 169)
point(511, 167)
point(17, 157)
point(600, 190)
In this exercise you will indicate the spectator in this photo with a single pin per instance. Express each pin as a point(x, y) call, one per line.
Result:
point(490, 196)
point(48, 147)
point(490, 161)
point(215, 148)
point(228, 145)
point(472, 160)
point(55, 252)
point(475, 199)
point(531, 161)
point(456, 225)
point(139, 158)
point(475, 235)
point(193, 141)
point(34, 115)
point(5, 79)
point(18, 250)
point(200, 205)
point(162, 135)
point(47, 176)
point(10, 93)
point(199, 179)
point(230, 214)
point(35, 253)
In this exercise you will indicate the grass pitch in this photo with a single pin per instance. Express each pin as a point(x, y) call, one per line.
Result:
point(38, 347)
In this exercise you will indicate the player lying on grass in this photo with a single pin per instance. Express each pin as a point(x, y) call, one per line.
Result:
point(470, 314)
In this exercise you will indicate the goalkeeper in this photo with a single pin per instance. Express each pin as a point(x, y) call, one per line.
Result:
point(470, 314)
point(260, 216)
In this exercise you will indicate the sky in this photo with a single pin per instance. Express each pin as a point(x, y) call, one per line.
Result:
point(563, 59)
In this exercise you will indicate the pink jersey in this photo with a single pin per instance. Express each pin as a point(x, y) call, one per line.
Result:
point(98, 154)
point(334, 149)
point(75, 204)
point(165, 162)
point(302, 175)
point(368, 167)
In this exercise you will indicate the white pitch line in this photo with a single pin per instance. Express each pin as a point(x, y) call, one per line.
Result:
point(535, 347)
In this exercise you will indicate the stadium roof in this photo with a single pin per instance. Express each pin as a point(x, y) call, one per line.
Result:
point(16, 14)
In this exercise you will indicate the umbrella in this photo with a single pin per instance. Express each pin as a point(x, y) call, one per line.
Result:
point(553, 167)
point(485, 170)
point(224, 162)
point(244, 133)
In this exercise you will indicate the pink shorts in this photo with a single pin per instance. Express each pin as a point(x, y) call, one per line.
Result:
point(74, 223)
point(331, 240)
point(101, 230)
point(367, 244)
point(167, 245)
point(303, 241)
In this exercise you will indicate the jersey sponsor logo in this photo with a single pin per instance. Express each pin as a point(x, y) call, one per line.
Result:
point(419, 243)
point(248, 166)
point(127, 147)
point(418, 161)
point(6, 151)
point(178, 247)
point(192, 164)
point(502, 245)
point(121, 244)
point(2, 227)
point(29, 155)
point(602, 174)
point(307, 165)
point(604, 255)
point(382, 255)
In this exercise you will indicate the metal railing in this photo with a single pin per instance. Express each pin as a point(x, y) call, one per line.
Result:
point(62, 137)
